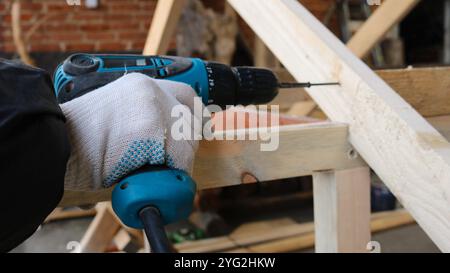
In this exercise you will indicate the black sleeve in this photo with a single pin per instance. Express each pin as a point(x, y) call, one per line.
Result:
point(34, 151)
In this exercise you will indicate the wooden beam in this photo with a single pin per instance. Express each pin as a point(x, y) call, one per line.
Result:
point(342, 210)
point(16, 28)
point(71, 198)
point(61, 214)
point(408, 154)
point(165, 20)
point(284, 236)
point(303, 149)
point(390, 13)
point(101, 231)
point(426, 89)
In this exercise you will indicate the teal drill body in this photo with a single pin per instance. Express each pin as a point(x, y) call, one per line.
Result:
point(215, 83)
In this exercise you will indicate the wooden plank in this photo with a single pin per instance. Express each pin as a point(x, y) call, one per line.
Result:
point(342, 210)
point(271, 231)
point(207, 245)
point(381, 221)
point(390, 13)
point(101, 231)
point(16, 28)
point(303, 148)
point(165, 20)
point(408, 154)
point(60, 214)
point(71, 198)
point(427, 90)
point(302, 108)
point(122, 239)
point(303, 239)
point(442, 124)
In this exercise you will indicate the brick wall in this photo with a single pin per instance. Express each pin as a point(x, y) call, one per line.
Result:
point(117, 25)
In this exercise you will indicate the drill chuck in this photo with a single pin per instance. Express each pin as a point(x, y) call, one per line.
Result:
point(240, 85)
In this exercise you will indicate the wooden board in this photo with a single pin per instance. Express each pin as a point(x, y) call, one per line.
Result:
point(408, 154)
point(164, 23)
point(60, 214)
point(390, 13)
point(299, 236)
point(342, 210)
point(427, 90)
point(101, 230)
point(302, 149)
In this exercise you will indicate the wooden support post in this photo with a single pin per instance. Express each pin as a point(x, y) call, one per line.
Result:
point(17, 33)
point(101, 231)
point(165, 20)
point(373, 30)
point(342, 210)
point(424, 88)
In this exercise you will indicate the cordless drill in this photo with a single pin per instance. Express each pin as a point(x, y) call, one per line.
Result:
point(156, 195)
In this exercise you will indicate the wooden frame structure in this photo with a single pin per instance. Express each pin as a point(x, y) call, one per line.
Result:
point(406, 151)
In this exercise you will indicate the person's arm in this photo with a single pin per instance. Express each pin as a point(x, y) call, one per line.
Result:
point(112, 131)
point(34, 150)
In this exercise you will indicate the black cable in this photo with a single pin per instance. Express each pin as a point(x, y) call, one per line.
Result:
point(154, 229)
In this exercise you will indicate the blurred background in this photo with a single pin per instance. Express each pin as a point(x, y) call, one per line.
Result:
point(45, 32)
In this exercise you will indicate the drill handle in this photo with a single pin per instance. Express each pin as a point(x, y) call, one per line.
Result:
point(152, 197)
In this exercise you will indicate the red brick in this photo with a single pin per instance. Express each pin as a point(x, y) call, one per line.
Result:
point(111, 47)
point(119, 17)
point(87, 16)
point(45, 47)
point(124, 7)
point(60, 6)
point(63, 36)
point(31, 6)
point(135, 36)
point(94, 27)
point(24, 17)
point(80, 46)
point(138, 45)
point(148, 5)
point(117, 26)
point(104, 36)
point(64, 27)
point(9, 47)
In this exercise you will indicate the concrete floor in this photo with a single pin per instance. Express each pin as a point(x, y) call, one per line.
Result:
point(56, 237)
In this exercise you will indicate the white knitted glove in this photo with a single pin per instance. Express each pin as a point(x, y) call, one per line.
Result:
point(123, 126)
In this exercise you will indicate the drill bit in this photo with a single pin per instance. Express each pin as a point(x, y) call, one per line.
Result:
point(285, 85)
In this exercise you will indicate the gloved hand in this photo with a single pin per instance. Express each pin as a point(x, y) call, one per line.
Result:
point(125, 125)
